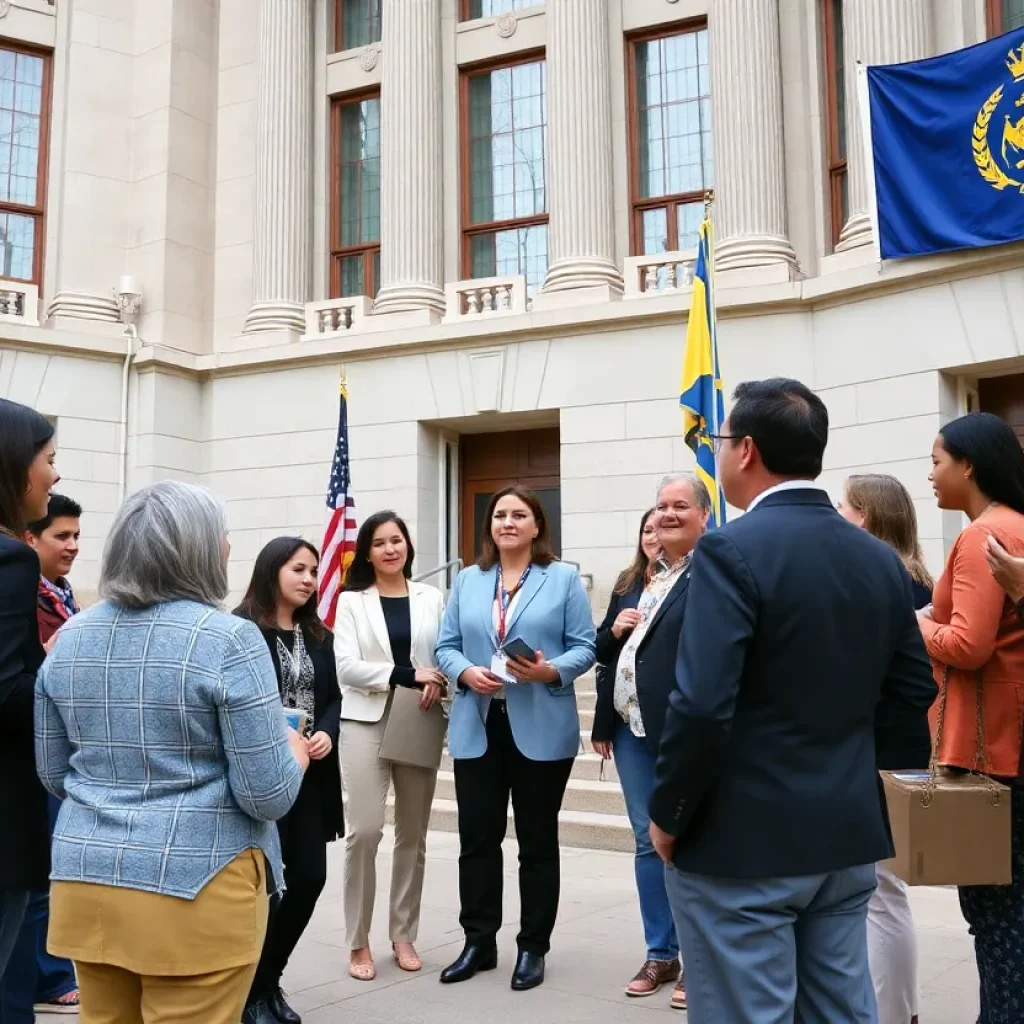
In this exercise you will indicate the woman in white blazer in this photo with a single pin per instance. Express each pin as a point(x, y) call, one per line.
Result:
point(385, 633)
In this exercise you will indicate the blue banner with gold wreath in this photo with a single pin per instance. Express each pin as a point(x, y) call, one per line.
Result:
point(947, 137)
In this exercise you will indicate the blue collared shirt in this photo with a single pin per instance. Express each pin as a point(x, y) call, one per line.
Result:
point(163, 732)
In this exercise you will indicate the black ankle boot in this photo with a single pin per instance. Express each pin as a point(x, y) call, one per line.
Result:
point(472, 959)
point(529, 972)
point(280, 1008)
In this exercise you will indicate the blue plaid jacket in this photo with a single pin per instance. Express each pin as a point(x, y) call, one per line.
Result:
point(163, 732)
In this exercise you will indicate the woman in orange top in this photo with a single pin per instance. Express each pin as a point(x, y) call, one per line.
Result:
point(976, 643)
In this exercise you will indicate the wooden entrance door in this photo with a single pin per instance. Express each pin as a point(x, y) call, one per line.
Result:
point(1004, 396)
point(489, 462)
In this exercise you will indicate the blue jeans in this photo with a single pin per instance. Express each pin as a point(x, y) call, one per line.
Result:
point(635, 765)
point(776, 949)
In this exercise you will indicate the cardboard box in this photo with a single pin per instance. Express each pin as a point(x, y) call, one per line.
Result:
point(960, 837)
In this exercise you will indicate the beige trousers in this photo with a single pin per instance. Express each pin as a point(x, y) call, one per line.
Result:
point(367, 780)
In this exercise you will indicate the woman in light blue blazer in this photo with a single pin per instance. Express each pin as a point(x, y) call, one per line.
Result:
point(514, 731)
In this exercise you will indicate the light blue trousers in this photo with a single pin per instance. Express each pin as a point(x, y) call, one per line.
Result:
point(776, 950)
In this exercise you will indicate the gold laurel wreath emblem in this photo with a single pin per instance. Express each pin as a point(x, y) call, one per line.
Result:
point(983, 158)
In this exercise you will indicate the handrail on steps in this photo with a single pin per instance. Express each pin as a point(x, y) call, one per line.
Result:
point(457, 562)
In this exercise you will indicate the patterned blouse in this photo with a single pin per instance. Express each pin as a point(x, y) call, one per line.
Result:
point(297, 677)
point(625, 698)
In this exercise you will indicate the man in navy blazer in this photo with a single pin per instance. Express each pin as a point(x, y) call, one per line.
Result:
point(800, 646)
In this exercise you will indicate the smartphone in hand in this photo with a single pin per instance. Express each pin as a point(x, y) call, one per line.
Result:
point(519, 648)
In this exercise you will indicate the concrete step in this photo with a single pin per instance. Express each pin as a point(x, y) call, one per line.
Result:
point(586, 719)
point(580, 795)
point(576, 828)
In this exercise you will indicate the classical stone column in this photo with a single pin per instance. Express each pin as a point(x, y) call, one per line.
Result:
point(874, 32)
point(284, 159)
point(581, 229)
point(411, 256)
point(750, 168)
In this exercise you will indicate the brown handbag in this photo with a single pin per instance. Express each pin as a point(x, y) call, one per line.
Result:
point(950, 826)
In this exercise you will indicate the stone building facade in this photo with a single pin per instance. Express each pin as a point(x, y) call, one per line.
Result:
point(484, 210)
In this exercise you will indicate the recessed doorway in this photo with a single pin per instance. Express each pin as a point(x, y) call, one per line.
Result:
point(489, 462)
point(1004, 396)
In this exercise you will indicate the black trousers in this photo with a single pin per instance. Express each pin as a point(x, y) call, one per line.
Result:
point(483, 786)
point(304, 849)
point(996, 916)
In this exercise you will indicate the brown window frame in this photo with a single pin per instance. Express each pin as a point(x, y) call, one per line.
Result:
point(468, 229)
point(339, 27)
point(38, 210)
point(838, 167)
point(364, 249)
point(637, 203)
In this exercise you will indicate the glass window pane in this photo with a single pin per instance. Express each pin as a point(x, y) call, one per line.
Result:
point(358, 164)
point(1013, 14)
point(688, 218)
point(17, 246)
point(507, 144)
point(360, 22)
point(654, 229)
point(488, 8)
point(351, 276)
point(515, 251)
point(673, 89)
point(21, 101)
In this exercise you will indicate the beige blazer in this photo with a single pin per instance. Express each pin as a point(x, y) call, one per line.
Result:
point(363, 650)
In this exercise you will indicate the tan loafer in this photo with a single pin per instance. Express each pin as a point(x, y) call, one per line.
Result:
point(408, 961)
point(362, 972)
point(651, 977)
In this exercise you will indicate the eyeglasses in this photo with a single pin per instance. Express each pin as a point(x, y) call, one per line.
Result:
point(716, 440)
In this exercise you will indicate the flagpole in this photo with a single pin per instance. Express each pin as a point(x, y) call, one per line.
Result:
point(709, 203)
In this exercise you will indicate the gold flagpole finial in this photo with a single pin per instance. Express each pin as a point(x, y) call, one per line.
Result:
point(709, 201)
point(343, 380)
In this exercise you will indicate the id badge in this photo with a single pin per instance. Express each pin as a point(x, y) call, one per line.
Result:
point(499, 667)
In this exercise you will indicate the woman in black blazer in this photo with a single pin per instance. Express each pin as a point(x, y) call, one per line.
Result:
point(282, 601)
point(618, 622)
point(27, 474)
point(639, 675)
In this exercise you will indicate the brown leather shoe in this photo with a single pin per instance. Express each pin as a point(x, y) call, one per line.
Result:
point(652, 976)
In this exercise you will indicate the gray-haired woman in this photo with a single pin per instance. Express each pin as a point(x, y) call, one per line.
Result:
point(158, 722)
point(645, 672)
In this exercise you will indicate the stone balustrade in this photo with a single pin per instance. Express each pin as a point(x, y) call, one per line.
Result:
point(485, 297)
point(336, 316)
point(658, 274)
point(19, 303)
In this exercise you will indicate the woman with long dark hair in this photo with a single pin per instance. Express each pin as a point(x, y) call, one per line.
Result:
point(27, 474)
point(881, 505)
point(976, 643)
point(619, 621)
point(387, 628)
point(282, 601)
point(514, 729)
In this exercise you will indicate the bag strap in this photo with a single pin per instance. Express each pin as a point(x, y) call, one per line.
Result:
point(980, 760)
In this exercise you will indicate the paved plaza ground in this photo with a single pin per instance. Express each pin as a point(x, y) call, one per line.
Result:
point(597, 947)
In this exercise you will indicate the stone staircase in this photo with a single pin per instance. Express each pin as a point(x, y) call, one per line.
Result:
point(593, 813)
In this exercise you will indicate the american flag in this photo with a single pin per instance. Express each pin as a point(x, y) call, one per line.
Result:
point(339, 543)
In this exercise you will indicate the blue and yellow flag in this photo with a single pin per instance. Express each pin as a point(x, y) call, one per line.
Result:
point(947, 140)
point(701, 392)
